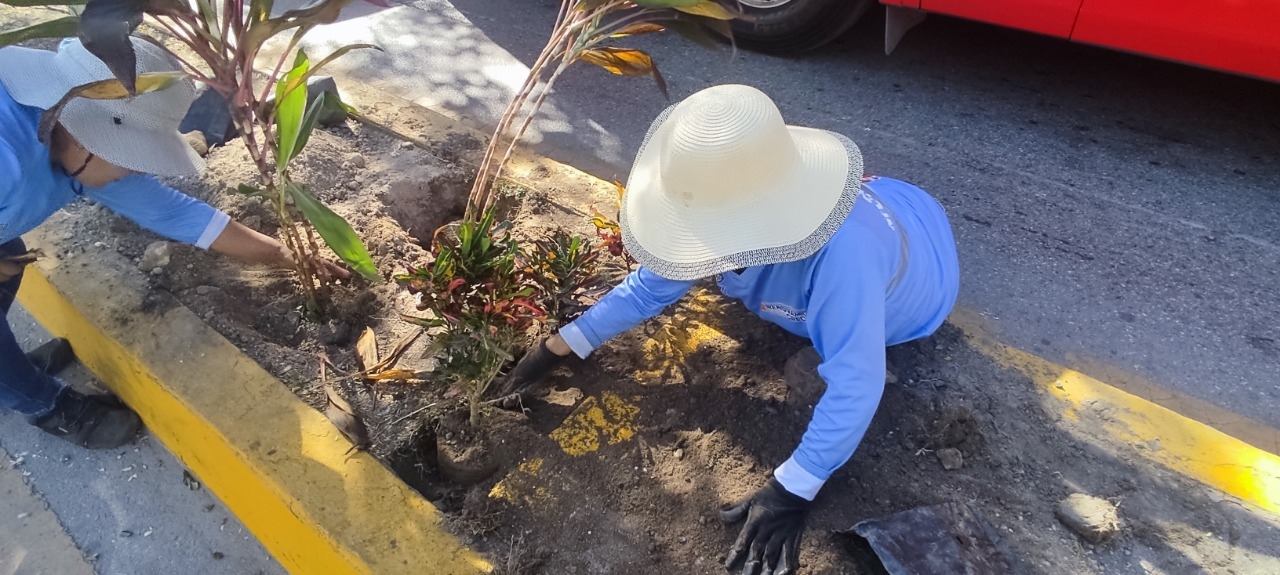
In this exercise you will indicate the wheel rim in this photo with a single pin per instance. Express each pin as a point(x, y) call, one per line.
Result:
point(765, 4)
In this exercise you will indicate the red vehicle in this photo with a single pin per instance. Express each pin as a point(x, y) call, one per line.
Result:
point(1238, 36)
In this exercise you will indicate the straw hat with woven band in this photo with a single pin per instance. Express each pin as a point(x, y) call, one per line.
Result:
point(721, 183)
point(139, 133)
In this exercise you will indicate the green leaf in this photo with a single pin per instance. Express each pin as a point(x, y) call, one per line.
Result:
point(59, 28)
point(248, 190)
point(291, 103)
point(335, 230)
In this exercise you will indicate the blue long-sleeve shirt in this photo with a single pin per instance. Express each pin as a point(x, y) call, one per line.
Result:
point(887, 276)
point(32, 188)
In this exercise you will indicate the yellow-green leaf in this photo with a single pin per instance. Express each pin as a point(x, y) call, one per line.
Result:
point(110, 89)
point(708, 8)
point(637, 29)
point(291, 103)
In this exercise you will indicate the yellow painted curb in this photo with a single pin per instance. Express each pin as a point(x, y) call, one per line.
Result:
point(276, 463)
point(1170, 438)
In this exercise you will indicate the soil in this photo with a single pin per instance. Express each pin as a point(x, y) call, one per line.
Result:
point(624, 467)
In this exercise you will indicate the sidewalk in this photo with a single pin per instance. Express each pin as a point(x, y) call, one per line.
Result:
point(135, 510)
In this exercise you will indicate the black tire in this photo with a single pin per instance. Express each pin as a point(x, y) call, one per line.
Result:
point(795, 26)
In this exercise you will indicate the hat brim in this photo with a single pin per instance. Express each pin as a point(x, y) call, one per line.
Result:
point(32, 78)
point(163, 153)
point(789, 223)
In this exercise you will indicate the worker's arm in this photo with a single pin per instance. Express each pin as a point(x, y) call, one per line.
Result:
point(846, 324)
point(642, 295)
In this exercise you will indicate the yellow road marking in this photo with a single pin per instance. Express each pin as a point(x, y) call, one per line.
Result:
point(1180, 443)
point(520, 486)
point(608, 419)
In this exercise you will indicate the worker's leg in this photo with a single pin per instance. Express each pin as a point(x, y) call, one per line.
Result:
point(23, 387)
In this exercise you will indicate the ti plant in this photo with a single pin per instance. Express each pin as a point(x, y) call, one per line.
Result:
point(582, 31)
point(226, 37)
point(481, 294)
point(565, 268)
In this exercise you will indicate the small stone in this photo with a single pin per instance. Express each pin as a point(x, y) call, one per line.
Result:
point(406, 145)
point(356, 160)
point(890, 378)
point(353, 185)
point(951, 458)
point(196, 140)
point(1093, 518)
point(679, 454)
point(702, 520)
point(98, 244)
point(157, 271)
point(156, 255)
point(683, 539)
point(217, 555)
point(804, 385)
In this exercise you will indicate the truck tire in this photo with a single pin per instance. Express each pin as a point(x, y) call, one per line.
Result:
point(786, 27)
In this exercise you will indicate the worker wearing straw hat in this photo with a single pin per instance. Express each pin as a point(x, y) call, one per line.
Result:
point(101, 150)
point(784, 219)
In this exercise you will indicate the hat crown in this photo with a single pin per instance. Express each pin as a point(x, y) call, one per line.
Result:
point(727, 145)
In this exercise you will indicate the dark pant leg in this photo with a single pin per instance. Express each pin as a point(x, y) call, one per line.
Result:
point(23, 388)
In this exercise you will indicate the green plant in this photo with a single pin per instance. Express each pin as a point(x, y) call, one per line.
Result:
point(481, 295)
point(610, 234)
point(226, 38)
point(581, 30)
point(565, 268)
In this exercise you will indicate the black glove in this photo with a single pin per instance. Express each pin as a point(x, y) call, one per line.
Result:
point(769, 542)
point(532, 368)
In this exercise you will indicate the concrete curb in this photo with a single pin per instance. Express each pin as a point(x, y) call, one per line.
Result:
point(279, 465)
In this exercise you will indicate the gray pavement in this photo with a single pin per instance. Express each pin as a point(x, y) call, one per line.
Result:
point(1116, 214)
point(129, 511)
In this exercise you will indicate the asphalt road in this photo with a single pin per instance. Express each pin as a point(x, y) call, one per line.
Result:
point(1115, 213)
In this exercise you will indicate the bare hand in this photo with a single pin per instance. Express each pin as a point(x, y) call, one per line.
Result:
point(328, 270)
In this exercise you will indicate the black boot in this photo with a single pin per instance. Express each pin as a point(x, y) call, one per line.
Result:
point(52, 356)
point(91, 421)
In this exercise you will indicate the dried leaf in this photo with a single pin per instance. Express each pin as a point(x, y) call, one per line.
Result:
point(345, 419)
point(396, 352)
point(367, 350)
point(624, 62)
point(566, 398)
point(395, 375)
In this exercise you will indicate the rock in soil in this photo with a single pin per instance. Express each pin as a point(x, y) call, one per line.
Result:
point(951, 458)
point(804, 385)
point(1095, 519)
point(156, 256)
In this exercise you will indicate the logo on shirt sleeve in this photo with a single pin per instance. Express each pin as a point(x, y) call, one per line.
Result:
point(782, 310)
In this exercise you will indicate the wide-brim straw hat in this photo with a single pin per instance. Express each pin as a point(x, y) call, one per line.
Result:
point(138, 133)
point(722, 183)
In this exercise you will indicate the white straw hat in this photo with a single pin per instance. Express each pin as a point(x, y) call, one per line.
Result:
point(722, 183)
point(139, 133)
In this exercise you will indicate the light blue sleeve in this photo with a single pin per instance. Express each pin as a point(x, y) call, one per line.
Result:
point(162, 209)
point(846, 324)
point(641, 295)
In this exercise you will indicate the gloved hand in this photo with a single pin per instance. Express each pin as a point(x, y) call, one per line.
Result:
point(532, 368)
point(769, 542)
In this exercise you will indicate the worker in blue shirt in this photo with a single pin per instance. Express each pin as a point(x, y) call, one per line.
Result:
point(784, 219)
point(101, 150)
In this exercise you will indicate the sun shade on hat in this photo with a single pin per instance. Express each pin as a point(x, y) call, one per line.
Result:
point(139, 133)
point(722, 183)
